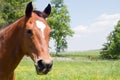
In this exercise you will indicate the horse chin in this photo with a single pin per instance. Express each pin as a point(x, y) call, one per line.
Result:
point(41, 73)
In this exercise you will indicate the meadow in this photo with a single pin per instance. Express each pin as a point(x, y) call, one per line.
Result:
point(77, 66)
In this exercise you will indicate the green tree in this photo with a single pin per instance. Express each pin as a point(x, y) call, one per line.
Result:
point(11, 10)
point(111, 49)
point(59, 21)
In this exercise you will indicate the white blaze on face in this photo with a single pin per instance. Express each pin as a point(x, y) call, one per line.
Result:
point(41, 26)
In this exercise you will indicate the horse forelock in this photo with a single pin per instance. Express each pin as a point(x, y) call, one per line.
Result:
point(39, 13)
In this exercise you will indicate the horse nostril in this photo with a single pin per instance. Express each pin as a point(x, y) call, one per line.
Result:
point(40, 64)
point(48, 66)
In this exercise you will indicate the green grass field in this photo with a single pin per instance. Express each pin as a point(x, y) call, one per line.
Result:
point(84, 68)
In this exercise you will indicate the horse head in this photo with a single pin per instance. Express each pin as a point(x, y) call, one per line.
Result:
point(36, 38)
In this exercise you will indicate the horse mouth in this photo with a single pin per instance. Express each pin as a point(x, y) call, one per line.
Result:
point(42, 71)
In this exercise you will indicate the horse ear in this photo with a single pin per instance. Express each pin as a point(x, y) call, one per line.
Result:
point(29, 9)
point(47, 11)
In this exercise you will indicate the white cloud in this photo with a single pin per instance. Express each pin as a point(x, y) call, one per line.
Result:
point(80, 28)
point(92, 36)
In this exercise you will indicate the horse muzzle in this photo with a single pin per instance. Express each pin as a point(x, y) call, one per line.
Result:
point(43, 67)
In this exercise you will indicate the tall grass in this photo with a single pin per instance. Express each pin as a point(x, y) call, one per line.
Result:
point(72, 70)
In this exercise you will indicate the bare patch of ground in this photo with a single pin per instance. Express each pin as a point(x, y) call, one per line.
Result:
point(74, 59)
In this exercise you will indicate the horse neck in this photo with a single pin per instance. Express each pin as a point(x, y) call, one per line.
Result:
point(10, 46)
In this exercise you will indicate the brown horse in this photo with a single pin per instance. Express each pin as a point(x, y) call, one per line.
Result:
point(29, 35)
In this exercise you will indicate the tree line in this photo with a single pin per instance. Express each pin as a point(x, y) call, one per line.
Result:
point(111, 49)
point(11, 10)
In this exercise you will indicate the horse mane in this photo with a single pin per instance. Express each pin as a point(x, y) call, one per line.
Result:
point(39, 13)
point(1, 28)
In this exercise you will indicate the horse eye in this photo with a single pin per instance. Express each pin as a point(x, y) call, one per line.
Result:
point(29, 31)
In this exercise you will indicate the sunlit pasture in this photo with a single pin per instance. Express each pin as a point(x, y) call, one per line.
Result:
point(78, 66)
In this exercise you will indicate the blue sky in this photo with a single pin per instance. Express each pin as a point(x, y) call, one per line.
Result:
point(91, 20)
